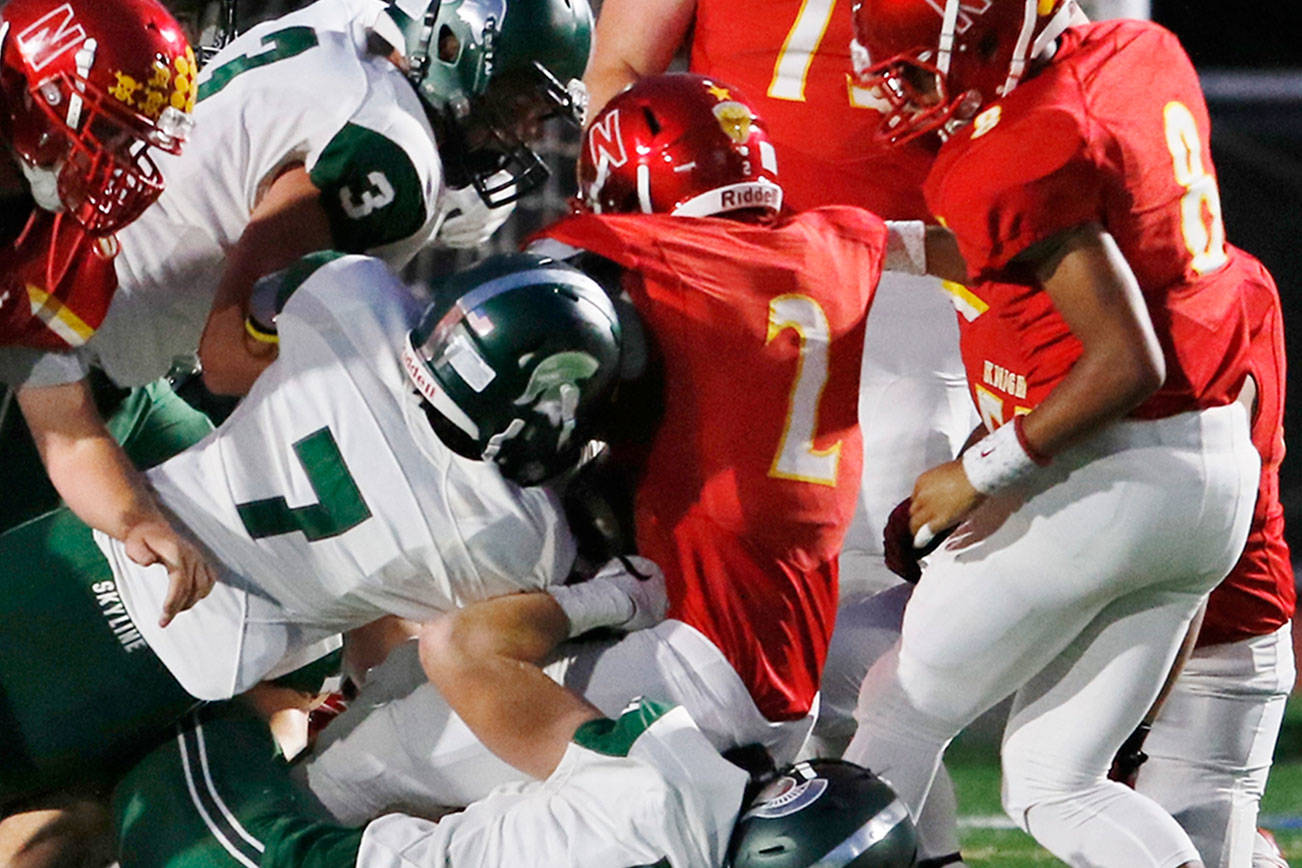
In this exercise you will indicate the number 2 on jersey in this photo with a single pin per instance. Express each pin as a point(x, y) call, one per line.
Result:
point(796, 458)
point(339, 507)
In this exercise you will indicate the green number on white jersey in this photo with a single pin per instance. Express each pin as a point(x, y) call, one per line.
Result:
point(281, 45)
point(339, 507)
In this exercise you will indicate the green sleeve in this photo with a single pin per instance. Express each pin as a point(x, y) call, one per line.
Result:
point(297, 842)
point(371, 192)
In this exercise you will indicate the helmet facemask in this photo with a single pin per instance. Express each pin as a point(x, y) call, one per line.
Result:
point(81, 134)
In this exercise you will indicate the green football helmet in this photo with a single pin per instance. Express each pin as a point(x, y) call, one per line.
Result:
point(490, 71)
point(826, 813)
point(516, 358)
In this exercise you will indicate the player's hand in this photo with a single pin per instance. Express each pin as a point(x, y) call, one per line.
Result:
point(942, 498)
point(470, 222)
point(644, 584)
point(189, 575)
point(902, 556)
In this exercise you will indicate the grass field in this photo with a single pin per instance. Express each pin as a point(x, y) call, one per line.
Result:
point(990, 841)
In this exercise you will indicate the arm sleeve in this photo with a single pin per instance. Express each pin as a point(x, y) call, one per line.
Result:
point(24, 367)
point(1013, 188)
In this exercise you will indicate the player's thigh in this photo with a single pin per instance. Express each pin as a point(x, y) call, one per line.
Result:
point(1069, 718)
point(914, 408)
point(1226, 707)
point(153, 424)
point(866, 628)
point(70, 653)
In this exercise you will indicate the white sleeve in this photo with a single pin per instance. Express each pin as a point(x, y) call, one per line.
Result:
point(23, 367)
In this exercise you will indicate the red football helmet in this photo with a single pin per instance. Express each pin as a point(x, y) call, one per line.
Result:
point(86, 88)
point(678, 144)
point(938, 62)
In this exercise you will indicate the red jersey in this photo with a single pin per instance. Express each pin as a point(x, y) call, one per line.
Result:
point(56, 283)
point(1114, 130)
point(792, 60)
point(1259, 595)
point(752, 477)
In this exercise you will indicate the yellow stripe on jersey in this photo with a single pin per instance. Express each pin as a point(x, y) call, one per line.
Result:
point(965, 301)
point(58, 318)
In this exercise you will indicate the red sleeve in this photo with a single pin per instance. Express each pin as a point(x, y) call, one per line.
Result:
point(1027, 178)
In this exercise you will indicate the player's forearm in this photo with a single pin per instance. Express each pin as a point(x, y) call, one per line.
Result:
point(287, 224)
point(627, 49)
point(85, 464)
point(483, 660)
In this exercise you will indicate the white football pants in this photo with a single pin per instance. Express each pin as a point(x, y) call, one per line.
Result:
point(1074, 592)
point(914, 412)
point(1211, 745)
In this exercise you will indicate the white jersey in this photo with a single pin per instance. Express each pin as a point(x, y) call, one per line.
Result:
point(625, 793)
point(298, 89)
point(326, 500)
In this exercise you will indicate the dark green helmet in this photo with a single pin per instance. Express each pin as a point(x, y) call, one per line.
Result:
point(484, 65)
point(516, 356)
point(826, 813)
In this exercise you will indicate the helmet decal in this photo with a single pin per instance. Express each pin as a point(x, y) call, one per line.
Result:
point(554, 391)
point(788, 798)
point(967, 10)
point(606, 143)
point(735, 120)
point(51, 35)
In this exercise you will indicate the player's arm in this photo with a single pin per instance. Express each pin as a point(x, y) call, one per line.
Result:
point(98, 482)
point(1121, 364)
point(634, 38)
point(288, 223)
point(484, 660)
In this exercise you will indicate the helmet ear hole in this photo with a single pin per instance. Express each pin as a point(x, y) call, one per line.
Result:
point(449, 45)
point(652, 124)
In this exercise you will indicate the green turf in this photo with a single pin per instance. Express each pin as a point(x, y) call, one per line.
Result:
point(976, 780)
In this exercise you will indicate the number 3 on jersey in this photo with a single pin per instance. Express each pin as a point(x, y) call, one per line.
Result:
point(339, 507)
point(797, 458)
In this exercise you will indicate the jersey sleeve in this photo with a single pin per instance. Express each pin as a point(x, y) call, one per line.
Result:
point(380, 174)
point(27, 367)
point(1021, 182)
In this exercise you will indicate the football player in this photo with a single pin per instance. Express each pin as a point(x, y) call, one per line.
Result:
point(645, 787)
point(1209, 751)
point(93, 97)
point(1112, 341)
point(349, 484)
point(320, 133)
point(791, 60)
point(750, 475)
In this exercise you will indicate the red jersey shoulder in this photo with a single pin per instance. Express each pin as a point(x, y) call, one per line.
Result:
point(1021, 172)
point(57, 284)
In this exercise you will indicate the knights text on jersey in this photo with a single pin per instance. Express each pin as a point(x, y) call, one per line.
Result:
point(753, 473)
point(792, 62)
point(302, 89)
point(55, 283)
point(326, 500)
point(1113, 131)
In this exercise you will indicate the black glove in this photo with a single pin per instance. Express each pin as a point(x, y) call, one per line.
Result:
point(901, 557)
point(1125, 765)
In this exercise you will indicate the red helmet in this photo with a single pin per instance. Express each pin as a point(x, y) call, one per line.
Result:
point(86, 88)
point(938, 62)
point(678, 144)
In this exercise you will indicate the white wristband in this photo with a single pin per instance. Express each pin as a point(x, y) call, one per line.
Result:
point(592, 604)
point(998, 461)
point(906, 246)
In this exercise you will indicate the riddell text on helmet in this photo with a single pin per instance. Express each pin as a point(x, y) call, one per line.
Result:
point(751, 197)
